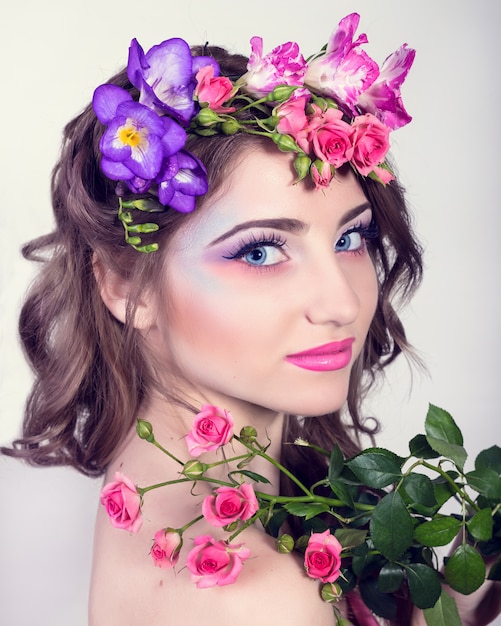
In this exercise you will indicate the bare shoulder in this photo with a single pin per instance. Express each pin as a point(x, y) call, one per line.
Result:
point(127, 589)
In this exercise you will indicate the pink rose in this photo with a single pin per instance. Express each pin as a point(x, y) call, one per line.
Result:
point(370, 143)
point(321, 173)
point(332, 139)
point(284, 65)
point(212, 428)
point(214, 562)
point(213, 90)
point(122, 503)
point(292, 113)
point(165, 550)
point(230, 504)
point(322, 558)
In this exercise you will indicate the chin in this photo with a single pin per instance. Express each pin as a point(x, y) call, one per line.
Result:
point(314, 406)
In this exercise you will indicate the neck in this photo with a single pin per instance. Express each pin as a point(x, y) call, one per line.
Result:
point(172, 421)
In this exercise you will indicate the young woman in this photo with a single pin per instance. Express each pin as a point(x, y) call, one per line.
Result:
point(275, 298)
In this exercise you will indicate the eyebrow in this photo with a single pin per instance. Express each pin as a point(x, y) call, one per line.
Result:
point(286, 224)
point(283, 223)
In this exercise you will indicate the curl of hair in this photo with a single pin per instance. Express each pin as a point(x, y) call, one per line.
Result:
point(92, 372)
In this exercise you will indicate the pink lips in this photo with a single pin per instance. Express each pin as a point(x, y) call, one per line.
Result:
point(329, 357)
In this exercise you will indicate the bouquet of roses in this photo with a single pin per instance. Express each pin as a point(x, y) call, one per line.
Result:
point(375, 530)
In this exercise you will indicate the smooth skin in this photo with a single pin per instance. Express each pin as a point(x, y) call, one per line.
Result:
point(264, 270)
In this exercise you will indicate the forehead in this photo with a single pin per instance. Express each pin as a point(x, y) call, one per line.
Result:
point(262, 186)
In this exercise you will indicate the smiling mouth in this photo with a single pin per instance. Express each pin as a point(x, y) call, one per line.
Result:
point(326, 358)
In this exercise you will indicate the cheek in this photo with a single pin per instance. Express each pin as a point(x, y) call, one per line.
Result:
point(203, 317)
point(372, 291)
point(363, 279)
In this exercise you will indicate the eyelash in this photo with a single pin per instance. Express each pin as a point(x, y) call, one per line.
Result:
point(367, 233)
point(244, 247)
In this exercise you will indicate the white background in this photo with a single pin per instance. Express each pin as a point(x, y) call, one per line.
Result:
point(54, 53)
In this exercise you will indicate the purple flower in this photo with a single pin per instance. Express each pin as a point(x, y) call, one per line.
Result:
point(181, 179)
point(165, 76)
point(344, 71)
point(383, 97)
point(284, 65)
point(137, 140)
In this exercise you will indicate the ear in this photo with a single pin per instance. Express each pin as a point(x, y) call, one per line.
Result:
point(116, 292)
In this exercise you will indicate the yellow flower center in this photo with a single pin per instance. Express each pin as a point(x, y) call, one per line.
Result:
point(130, 136)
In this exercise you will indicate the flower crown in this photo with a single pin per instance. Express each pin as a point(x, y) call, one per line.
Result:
point(336, 107)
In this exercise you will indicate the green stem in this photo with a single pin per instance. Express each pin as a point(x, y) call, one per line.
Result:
point(248, 523)
point(278, 465)
point(186, 526)
point(225, 461)
point(311, 498)
point(165, 451)
point(459, 492)
point(142, 490)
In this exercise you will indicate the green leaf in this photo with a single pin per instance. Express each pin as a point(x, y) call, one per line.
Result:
point(377, 467)
point(273, 520)
point(390, 578)
point(444, 436)
point(421, 449)
point(391, 526)
point(438, 532)
point(306, 509)
point(336, 463)
point(365, 564)
point(481, 525)
point(489, 459)
point(486, 482)
point(444, 613)
point(382, 604)
point(424, 585)
point(342, 492)
point(465, 569)
point(252, 475)
point(443, 489)
point(350, 537)
point(420, 490)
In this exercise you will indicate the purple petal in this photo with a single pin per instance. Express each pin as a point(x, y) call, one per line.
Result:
point(146, 158)
point(341, 40)
point(165, 192)
point(256, 52)
point(138, 185)
point(199, 62)
point(354, 75)
point(383, 97)
point(164, 77)
point(142, 116)
point(106, 100)
point(397, 66)
point(115, 170)
point(136, 64)
point(181, 178)
point(182, 203)
point(386, 104)
point(174, 136)
point(110, 144)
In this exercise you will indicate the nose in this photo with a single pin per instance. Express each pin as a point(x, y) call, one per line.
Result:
point(331, 295)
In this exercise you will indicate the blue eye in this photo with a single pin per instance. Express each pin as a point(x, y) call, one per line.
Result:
point(349, 242)
point(263, 255)
point(260, 252)
point(257, 256)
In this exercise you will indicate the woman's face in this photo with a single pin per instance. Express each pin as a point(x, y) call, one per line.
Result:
point(270, 291)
